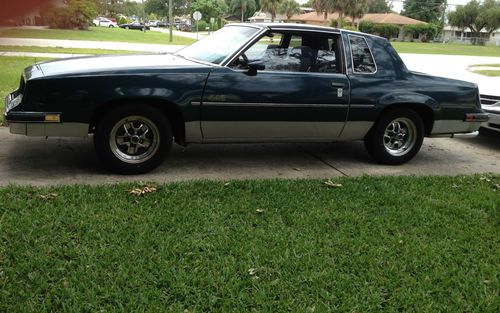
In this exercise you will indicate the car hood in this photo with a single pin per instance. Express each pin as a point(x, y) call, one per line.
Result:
point(112, 64)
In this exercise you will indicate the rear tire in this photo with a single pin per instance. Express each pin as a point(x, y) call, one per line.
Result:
point(396, 138)
point(133, 139)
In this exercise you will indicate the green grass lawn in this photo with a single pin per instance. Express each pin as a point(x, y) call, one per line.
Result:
point(450, 49)
point(62, 50)
point(491, 73)
point(12, 68)
point(10, 74)
point(392, 244)
point(97, 34)
point(484, 69)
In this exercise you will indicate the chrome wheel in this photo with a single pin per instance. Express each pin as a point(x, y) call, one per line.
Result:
point(400, 136)
point(134, 139)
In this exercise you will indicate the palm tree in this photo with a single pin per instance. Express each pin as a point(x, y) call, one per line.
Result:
point(242, 6)
point(270, 6)
point(356, 9)
point(323, 6)
point(289, 8)
point(341, 6)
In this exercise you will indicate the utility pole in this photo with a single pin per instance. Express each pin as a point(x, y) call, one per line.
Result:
point(443, 19)
point(170, 22)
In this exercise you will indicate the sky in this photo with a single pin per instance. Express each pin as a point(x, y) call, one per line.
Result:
point(397, 4)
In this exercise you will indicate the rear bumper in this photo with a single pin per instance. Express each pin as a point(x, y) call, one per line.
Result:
point(469, 124)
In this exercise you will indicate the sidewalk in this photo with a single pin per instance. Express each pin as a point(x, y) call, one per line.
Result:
point(41, 55)
point(82, 44)
point(181, 34)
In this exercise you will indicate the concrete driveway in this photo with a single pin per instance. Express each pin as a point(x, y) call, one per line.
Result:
point(37, 161)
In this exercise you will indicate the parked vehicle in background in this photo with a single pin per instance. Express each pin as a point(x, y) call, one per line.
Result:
point(135, 25)
point(104, 22)
point(491, 105)
point(163, 24)
point(244, 83)
point(152, 23)
point(183, 27)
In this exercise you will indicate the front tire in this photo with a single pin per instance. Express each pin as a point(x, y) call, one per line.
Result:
point(396, 138)
point(133, 139)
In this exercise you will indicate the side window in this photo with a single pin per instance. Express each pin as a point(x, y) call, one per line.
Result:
point(361, 56)
point(295, 52)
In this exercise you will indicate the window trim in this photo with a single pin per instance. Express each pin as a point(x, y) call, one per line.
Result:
point(352, 58)
point(261, 34)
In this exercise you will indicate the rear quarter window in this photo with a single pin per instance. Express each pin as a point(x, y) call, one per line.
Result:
point(362, 58)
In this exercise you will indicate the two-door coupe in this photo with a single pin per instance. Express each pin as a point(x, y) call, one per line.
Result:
point(244, 83)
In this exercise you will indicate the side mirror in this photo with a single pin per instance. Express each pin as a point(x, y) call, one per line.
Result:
point(255, 66)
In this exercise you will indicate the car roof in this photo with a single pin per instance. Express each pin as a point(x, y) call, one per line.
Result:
point(309, 27)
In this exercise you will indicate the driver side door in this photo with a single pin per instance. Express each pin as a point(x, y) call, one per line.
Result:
point(302, 95)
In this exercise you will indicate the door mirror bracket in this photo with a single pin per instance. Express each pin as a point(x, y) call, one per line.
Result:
point(255, 66)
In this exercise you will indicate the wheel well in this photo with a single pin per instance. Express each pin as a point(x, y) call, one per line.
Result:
point(424, 111)
point(171, 111)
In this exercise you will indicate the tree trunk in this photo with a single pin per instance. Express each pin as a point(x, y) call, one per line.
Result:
point(340, 20)
point(242, 15)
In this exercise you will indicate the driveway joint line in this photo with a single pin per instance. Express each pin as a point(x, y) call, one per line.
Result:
point(317, 157)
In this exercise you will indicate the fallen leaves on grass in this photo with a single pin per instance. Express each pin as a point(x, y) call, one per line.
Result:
point(142, 191)
point(49, 196)
point(260, 210)
point(331, 184)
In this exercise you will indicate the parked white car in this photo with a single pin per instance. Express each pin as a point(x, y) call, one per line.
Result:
point(152, 23)
point(104, 22)
point(491, 105)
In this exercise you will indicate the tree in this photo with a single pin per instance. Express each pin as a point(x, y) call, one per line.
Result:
point(77, 14)
point(243, 7)
point(323, 6)
point(208, 8)
point(289, 8)
point(424, 10)
point(341, 7)
point(356, 10)
point(160, 7)
point(477, 17)
point(378, 6)
point(270, 6)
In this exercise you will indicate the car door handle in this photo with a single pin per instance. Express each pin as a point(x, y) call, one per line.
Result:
point(338, 85)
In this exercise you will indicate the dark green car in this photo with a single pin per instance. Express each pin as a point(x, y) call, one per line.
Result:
point(244, 83)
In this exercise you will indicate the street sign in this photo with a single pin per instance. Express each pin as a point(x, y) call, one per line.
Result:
point(197, 15)
point(212, 20)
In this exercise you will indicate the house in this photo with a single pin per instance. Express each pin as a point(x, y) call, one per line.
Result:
point(455, 34)
point(377, 18)
point(265, 17)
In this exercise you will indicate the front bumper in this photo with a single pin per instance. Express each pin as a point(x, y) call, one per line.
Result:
point(39, 124)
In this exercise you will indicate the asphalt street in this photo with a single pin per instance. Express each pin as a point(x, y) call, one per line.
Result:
point(39, 161)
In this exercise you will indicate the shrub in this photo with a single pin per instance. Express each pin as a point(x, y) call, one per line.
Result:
point(77, 14)
point(424, 31)
point(386, 30)
point(122, 20)
point(333, 23)
point(366, 27)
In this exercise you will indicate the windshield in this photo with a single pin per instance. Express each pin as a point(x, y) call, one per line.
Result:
point(218, 46)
